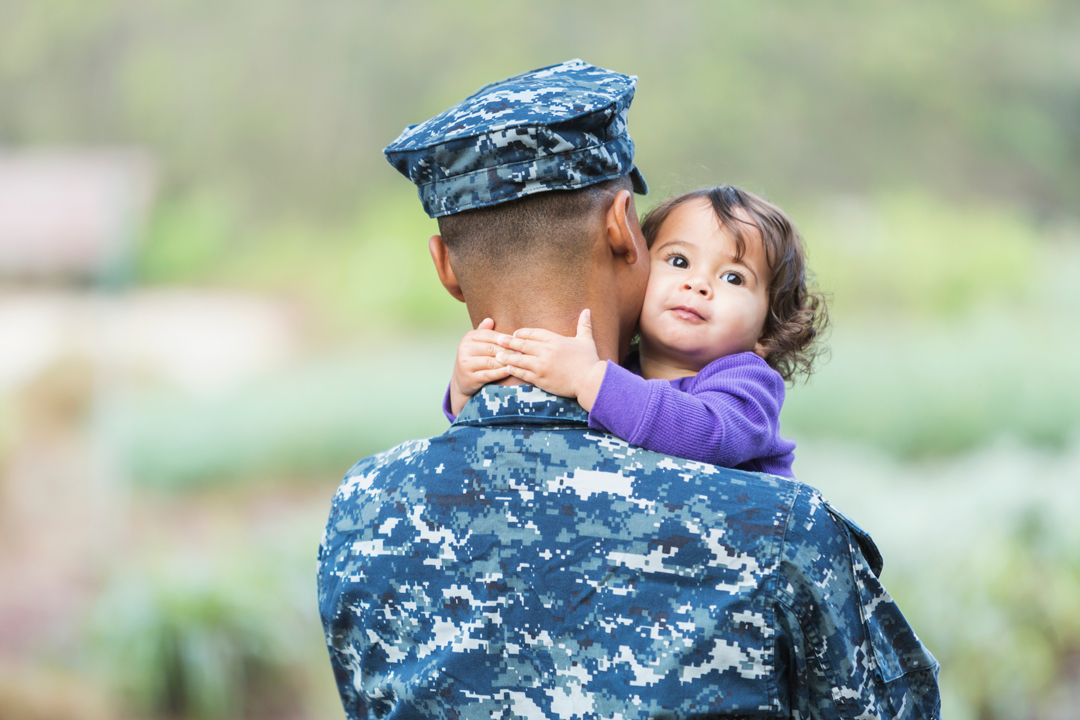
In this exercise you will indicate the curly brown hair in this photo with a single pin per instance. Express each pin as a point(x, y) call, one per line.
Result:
point(797, 317)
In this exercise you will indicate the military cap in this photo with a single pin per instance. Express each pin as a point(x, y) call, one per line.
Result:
point(557, 128)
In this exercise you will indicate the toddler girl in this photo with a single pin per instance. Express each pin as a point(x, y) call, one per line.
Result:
point(728, 317)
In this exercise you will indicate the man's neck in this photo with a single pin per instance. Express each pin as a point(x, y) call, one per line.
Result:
point(560, 316)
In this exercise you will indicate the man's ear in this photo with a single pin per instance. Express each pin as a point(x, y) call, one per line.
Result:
point(440, 255)
point(620, 224)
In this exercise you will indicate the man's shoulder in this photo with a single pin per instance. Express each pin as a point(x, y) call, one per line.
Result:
point(361, 474)
point(405, 452)
point(565, 454)
point(582, 462)
point(545, 442)
point(819, 532)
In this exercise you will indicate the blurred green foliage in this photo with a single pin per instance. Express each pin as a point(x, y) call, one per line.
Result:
point(919, 392)
point(208, 635)
point(284, 107)
point(317, 419)
point(189, 237)
point(950, 130)
point(911, 255)
point(370, 271)
point(189, 651)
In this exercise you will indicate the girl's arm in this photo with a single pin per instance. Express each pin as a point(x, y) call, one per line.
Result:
point(730, 416)
point(475, 366)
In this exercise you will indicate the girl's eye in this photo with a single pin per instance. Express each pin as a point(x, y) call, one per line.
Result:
point(733, 278)
point(678, 261)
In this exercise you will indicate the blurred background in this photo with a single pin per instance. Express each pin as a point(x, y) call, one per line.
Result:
point(215, 296)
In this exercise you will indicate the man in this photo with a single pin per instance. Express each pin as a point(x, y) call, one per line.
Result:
point(523, 565)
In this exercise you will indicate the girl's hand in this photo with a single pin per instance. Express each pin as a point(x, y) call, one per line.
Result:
point(566, 366)
point(476, 365)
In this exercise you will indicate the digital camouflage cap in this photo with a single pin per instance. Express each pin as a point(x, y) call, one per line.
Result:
point(557, 128)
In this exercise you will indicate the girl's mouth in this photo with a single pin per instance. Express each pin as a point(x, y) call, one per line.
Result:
point(688, 313)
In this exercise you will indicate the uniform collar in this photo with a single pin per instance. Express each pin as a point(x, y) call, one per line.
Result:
point(520, 405)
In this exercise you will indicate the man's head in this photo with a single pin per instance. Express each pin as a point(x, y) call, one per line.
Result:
point(554, 231)
point(538, 261)
point(531, 181)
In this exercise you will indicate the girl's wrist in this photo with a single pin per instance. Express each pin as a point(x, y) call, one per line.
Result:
point(590, 385)
point(457, 398)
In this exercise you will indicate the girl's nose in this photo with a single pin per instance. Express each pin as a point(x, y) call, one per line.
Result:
point(697, 285)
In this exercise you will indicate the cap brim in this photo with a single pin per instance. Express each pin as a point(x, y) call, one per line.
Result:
point(640, 186)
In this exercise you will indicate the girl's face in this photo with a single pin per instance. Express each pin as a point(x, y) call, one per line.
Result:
point(701, 303)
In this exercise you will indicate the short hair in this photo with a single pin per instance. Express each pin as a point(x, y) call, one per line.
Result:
point(547, 227)
point(797, 316)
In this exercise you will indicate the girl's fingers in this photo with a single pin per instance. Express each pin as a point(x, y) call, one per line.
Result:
point(480, 363)
point(522, 374)
point(488, 336)
point(526, 362)
point(521, 338)
point(495, 374)
point(514, 343)
point(538, 334)
point(530, 346)
point(482, 349)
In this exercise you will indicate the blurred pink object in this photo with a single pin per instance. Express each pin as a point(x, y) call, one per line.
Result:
point(67, 214)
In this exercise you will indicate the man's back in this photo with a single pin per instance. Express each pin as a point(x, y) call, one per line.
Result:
point(523, 565)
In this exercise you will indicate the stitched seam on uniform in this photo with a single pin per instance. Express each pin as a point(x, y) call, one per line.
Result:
point(808, 632)
point(770, 617)
point(787, 526)
point(575, 151)
point(842, 703)
point(876, 665)
point(776, 589)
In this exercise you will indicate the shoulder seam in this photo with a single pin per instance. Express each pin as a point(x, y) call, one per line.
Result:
point(774, 691)
point(787, 526)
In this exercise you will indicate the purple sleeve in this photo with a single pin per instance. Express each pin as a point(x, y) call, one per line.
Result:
point(727, 415)
point(446, 408)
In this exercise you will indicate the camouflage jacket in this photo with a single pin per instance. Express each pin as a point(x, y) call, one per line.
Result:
point(522, 565)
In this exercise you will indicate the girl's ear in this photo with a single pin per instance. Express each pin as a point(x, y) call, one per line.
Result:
point(440, 255)
point(761, 351)
point(622, 228)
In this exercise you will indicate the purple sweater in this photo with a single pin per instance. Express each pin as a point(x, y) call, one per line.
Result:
point(728, 414)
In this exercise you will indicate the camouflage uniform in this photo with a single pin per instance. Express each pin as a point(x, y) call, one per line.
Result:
point(522, 565)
